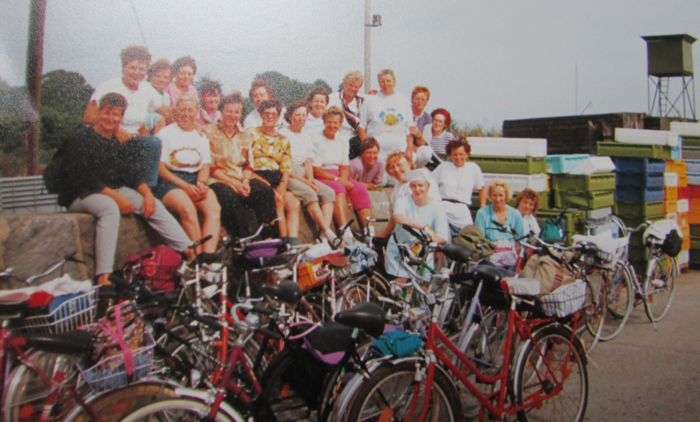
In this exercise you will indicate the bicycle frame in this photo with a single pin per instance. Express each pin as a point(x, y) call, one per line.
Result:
point(515, 324)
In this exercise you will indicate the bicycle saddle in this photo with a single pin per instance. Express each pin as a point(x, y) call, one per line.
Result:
point(489, 274)
point(9, 310)
point(366, 316)
point(288, 292)
point(71, 343)
point(457, 253)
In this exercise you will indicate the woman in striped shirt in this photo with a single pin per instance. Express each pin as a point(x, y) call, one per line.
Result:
point(436, 135)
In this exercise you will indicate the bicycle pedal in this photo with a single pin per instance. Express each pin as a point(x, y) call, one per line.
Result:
point(659, 284)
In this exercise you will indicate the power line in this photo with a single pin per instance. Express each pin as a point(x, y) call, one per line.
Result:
point(143, 37)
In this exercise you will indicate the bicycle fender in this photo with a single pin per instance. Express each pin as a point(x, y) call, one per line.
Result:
point(207, 398)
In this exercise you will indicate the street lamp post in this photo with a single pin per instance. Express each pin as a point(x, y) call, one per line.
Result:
point(371, 21)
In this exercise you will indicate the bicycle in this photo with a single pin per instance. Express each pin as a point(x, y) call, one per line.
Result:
point(550, 363)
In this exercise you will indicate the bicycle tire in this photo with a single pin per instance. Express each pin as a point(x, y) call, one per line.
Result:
point(178, 409)
point(26, 392)
point(396, 384)
point(620, 303)
point(284, 401)
point(114, 405)
point(533, 377)
point(594, 318)
point(660, 286)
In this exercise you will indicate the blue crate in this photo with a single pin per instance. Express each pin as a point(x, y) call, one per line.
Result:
point(639, 194)
point(639, 165)
point(693, 166)
point(636, 180)
point(559, 164)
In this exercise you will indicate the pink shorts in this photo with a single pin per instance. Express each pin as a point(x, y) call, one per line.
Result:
point(358, 196)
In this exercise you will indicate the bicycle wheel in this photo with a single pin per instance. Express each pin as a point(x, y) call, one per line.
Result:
point(594, 314)
point(620, 303)
point(114, 405)
point(485, 343)
point(559, 365)
point(391, 391)
point(660, 285)
point(26, 393)
point(180, 409)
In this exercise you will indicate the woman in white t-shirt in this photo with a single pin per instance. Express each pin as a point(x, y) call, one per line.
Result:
point(301, 179)
point(183, 174)
point(527, 202)
point(317, 102)
point(457, 180)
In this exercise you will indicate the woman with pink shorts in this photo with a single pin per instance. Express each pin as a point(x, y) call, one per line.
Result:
point(331, 159)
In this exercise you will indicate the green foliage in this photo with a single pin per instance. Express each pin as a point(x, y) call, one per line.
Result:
point(475, 130)
point(289, 90)
point(65, 92)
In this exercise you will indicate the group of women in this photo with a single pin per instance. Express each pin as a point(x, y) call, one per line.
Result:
point(213, 171)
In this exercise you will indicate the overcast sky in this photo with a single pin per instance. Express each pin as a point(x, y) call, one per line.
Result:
point(485, 61)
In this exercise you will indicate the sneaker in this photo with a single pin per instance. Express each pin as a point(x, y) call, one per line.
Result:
point(348, 238)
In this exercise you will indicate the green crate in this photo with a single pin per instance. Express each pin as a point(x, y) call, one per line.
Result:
point(695, 230)
point(695, 256)
point(635, 221)
point(690, 141)
point(640, 266)
point(588, 200)
point(510, 165)
point(618, 149)
point(638, 209)
point(572, 220)
point(694, 242)
point(583, 182)
point(638, 253)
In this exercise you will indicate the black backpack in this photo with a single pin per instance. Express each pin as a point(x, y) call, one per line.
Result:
point(672, 244)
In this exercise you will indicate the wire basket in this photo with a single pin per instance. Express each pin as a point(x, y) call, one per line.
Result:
point(615, 251)
point(110, 373)
point(70, 315)
point(565, 300)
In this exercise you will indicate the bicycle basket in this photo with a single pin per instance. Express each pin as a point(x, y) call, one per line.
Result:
point(614, 251)
point(111, 373)
point(76, 311)
point(312, 273)
point(565, 300)
point(360, 257)
point(159, 267)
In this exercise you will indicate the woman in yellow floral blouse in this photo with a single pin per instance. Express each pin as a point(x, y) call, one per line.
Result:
point(273, 162)
point(246, 202)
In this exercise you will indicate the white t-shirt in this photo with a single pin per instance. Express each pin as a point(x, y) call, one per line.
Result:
point(184, 151)
point(404, 189)
point(330, 154)
point(346, 131)
point(302, 145)
point(387, 119)
point(139, 103)
point(254, 119)
point(530, 223)
point(458, 183)
point(313, 124)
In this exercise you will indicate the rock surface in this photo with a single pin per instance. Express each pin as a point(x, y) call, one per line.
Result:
point(31, 243)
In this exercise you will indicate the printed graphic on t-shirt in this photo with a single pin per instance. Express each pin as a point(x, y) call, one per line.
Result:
point(391, 117)
point(185, 157)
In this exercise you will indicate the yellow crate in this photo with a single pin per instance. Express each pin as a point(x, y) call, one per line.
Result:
point(683, 221)
point(682, 180)
point(670, 206)
point(676, 166)
point(670, 193)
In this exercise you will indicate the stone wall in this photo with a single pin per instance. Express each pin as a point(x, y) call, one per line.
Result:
point(31, 243)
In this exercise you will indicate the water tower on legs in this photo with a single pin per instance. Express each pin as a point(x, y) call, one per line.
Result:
point(670, 75)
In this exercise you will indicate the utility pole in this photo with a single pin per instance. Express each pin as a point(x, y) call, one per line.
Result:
point(370, 22)
point(35, 62)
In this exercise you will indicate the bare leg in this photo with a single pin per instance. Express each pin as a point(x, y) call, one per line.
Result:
point(317, 215)
point(279, 207)
point(327, 209)
point(211, 210)
point(178, 201)
point(292, 207)
point(340, 210)
point(364, 213)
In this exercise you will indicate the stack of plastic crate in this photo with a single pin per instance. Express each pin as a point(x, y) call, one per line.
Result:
point(639, 197)
point(519, 161)
point(676, 186)
point(689, 196)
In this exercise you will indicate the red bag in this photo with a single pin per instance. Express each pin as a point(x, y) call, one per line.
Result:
point(159, 268)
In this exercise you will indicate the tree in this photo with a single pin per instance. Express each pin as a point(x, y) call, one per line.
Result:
point(65, 92)
point(289, 90)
